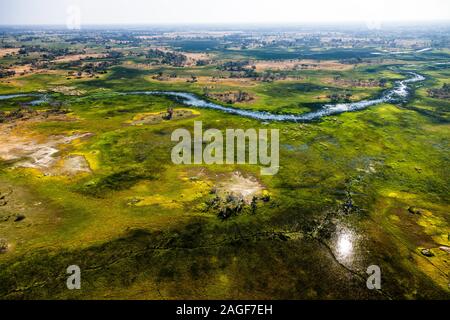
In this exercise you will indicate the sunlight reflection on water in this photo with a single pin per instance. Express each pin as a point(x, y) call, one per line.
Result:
point(345, 245)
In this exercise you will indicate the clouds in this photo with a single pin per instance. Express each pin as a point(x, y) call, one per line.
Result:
point(221, 11)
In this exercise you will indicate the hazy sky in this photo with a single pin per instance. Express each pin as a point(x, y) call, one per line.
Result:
point(220, 11)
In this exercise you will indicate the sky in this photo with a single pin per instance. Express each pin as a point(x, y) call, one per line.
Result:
point(62, 12)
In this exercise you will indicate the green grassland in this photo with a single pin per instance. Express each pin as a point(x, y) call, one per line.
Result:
point(387, 158)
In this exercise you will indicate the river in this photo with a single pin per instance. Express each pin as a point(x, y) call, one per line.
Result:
point(399, 92)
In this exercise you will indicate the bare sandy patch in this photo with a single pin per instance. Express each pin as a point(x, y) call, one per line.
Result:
point(22, 70)
point(77, 57)
point(5, 51)
point(193, 58)
point(138, 66)
point(72, 165)
point(42, 155)
point(23, 150)
point(300, 64)
point(27, 69)
point(244, 187)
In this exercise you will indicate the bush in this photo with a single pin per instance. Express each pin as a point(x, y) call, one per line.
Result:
point(3, 245)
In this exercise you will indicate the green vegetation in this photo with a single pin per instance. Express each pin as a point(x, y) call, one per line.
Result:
point(142, 227)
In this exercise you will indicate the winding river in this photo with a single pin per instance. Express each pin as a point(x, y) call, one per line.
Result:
point(399, 92)
point(40, 98)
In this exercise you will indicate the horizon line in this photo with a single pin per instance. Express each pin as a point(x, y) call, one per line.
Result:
point(231, 24)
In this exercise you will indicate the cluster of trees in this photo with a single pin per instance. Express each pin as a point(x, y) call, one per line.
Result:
point(48, 53)
point(114, 55)
point(193, 79)
point(234, 66)
point(230, 96)
point(232, 205)
point(100, 67)
point(57, 107)
point(165, 57)
point(270, 76)
point(6, 73)
point(22, 112)
point(3, 245)
point(26, 111)
point(201, 63)
point(246, 73)
point(441, 93)
point(361, 83)
point(161, 76)
point(92, 68)
point(242, 69)
point(239, 69)
point(29, 49)
point(340, 97)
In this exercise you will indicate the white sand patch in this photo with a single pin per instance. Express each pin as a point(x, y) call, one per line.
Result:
point(30, 153)
point(240, 186)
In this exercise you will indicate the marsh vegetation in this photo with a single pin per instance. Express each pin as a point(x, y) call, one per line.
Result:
point(86, 176)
